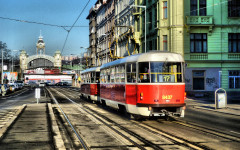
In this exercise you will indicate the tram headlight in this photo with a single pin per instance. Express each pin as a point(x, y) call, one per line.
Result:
point(141, 96)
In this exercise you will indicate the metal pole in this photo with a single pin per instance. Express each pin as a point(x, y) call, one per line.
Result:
point(2, 65)
point(145, 19)
point(145, 29)
point(12, 61)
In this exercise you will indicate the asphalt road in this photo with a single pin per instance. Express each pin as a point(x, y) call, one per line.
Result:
point(215, 120)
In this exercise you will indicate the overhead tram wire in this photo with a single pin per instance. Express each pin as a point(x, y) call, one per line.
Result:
point(73, 25)
point(40, 23)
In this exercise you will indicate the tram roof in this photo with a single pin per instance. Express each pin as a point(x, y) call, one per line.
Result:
point(158, 56)
point(91, 70)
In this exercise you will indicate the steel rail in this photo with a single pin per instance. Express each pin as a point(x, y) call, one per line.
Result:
point(165, 134)
point(115, 130)
point(79, 137)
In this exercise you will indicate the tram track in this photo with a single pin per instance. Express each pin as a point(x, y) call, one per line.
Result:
point(104, 122)
point(190, 125)
point(83, 143)
point(175, 140)
point(208, 130)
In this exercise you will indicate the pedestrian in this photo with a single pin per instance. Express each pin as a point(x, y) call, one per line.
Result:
point(3, 90)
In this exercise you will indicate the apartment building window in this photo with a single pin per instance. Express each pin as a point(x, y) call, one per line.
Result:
point(198, 7)
point(234, 79)
point(234, 42)
point(155, 17)
point(233, 8)
point(150, 45)
point(165, 43)
point(155, 47)
point(165, 15)
point(198, 43)
point(198, 80)
point(150, 21)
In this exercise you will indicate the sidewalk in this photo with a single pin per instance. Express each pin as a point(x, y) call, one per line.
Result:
point(30, 131)
point(209, 104)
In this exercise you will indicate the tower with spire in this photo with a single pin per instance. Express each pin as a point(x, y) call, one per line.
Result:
point(40, 45)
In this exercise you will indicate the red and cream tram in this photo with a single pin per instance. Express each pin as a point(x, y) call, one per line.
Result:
point(147, 84)
point(90, 87)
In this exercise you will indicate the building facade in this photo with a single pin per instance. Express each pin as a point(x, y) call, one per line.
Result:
point(124, 29)
point(205, 32)
point(92, 35)
point(212, 46)
point(164, 25)
point(40, 59)
point(104, 31)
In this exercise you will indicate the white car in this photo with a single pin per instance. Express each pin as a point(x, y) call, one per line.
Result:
point(41, 84)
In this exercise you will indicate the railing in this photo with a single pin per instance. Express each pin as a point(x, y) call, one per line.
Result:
point(198, 56)
point(235, 56)
point(199, 20)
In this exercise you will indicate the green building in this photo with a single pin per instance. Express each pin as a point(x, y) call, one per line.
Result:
point(164, 25)
point(212, 46)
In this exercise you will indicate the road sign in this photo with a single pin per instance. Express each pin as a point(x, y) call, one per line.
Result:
point(37, 94)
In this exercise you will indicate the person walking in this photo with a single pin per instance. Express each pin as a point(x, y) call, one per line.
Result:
point(3, 90)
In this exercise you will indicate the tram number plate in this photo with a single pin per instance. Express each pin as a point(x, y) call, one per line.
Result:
point(167, 97)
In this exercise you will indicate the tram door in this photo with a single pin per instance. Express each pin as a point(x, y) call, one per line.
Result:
point(98, 82)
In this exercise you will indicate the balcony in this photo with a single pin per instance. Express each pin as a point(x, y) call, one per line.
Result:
point(199, 21)
point(198, 56)
point(233, 56)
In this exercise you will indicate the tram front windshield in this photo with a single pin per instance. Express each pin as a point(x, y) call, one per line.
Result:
point(160, 72)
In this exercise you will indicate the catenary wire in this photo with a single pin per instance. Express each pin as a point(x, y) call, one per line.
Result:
point(73, 25)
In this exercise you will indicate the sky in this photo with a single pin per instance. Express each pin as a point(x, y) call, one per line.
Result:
point(24, 36)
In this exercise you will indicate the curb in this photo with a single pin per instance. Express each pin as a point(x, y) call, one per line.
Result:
point(57, 137)
point(199, 107)
point(4, 129)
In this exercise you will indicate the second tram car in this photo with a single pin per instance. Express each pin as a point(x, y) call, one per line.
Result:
point(90, 86)
point(147, 84)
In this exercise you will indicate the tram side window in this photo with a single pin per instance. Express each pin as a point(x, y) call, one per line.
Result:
point(144, 72)
point(97, 77)
point(131, 73)
point(112, 74)
point(107, 76)
point(117, 76)
point(92, 77)
point(102, 76)
point(122, 73)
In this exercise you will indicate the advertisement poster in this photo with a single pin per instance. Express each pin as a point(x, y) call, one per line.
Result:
point(10, 76)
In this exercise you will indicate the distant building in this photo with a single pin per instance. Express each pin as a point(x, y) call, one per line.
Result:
point(40, 59)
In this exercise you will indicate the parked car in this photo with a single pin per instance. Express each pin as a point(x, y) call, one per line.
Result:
point(41, 84)
point(20, 83)
point(12, 88)
point(62, 84)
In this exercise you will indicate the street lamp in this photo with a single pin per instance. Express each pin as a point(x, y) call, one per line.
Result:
point(12, 57)
point(2, 46)
point(145, 22)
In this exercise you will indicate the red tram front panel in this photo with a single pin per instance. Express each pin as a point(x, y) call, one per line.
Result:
point(168, 95)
